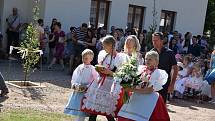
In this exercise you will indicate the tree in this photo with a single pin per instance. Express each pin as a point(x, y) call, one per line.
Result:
point(153, 26)
point(210, 22)
point(210, 16)
point(29, 48)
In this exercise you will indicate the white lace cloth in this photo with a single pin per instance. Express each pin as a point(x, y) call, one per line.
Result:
point(99, 96)
point(100, 99)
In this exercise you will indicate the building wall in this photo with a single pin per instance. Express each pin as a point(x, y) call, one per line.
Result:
point(119, 12)
point(68, 12)
point(189, 17)
point(190, 14)
point(73, 12)
point(24, 10)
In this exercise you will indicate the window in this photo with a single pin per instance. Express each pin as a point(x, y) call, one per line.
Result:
point(135, 16)
point(167, 21)
point(99, 13)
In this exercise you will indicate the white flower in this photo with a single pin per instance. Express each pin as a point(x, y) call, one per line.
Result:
point(117, 79)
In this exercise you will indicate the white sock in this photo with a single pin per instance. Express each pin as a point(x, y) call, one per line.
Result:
point(79, 118)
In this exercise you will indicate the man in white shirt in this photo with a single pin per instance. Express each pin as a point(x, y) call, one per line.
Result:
point(14, 23)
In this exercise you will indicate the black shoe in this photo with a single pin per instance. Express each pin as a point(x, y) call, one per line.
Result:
point(4, 92)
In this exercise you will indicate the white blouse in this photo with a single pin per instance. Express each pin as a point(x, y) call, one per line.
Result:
point(84, 74)
point(117, 60)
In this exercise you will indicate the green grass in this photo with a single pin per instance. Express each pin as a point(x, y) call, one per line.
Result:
point(32, 115)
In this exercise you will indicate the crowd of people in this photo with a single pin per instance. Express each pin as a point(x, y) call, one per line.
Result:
point(185, 59)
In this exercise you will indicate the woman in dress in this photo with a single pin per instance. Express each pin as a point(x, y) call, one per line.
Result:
point(59, 38)
point(132, 48)
point(52, 42)
point(145, 103)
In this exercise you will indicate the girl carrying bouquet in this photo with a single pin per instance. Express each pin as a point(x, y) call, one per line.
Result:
point(145, 104)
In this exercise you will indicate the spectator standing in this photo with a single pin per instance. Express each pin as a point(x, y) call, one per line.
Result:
point(51, 37)
point(167, 61)
point(91, 44)
point(14, 23)
point(78, 45)
point(59, 38)
point(195, 48)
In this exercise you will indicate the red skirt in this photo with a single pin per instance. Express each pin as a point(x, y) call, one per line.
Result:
point(159, 114)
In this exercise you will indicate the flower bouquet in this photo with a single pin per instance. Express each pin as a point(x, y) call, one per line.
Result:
point(128, 76)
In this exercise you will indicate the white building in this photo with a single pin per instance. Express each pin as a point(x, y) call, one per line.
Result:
point(181, 15)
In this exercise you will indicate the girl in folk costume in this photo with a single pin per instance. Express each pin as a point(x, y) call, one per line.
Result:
point(183, 75)
point(99, 97)
point(132, 46)
point(83, 75)
point(145, 103)
point(195, 80)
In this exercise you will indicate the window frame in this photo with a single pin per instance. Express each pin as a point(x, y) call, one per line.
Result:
point(107, 9)
point(140, 26)
point(173, 19)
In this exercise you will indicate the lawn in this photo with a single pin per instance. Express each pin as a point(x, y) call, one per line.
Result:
point(32, 115)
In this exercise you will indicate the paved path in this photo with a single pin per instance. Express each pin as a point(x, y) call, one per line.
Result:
point(12, 70)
